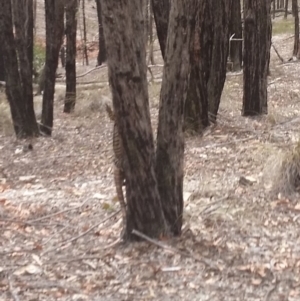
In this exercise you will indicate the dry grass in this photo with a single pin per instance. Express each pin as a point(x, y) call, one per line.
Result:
point(282, 26)
point(6, 127)
point(286, 171)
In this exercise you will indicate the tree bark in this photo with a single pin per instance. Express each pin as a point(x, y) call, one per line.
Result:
point(54, 11)
point(71, 27)
point(286, 8)
point(126, 60)
point(257, 43)
point(18, 78)
point(196, 106)
point(85, 52)
point(24, 44)
point(218, 65)
point(161, 11)
point(2, 70)
point(170, 137)
point(101, 58)
point(296, 51)
point(235, 27)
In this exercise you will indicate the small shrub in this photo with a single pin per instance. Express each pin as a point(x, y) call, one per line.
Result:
point(287, 177)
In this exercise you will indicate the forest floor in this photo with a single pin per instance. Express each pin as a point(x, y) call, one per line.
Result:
point(240, 241)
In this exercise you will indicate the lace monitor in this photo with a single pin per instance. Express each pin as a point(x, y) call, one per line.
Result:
point(119, 176)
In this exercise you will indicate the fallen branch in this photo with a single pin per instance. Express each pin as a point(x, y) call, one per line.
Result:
point(56, 213)
point(280, 57)
point(68, 241)
point(176, 251)
point(91, 70)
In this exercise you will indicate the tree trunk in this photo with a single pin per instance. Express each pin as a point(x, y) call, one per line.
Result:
point(18, 83)
point(235, 27)
point(126, 60)
point(30, 32)
point(71, 27)
point(257, 43)
point(296, 52)
point(170, 137)
point(102, 49)
point(85, 52)
point(54, 11)
point(196, 106)
point(151, 39)
point(2, 70)
point(161, 10)
point(286, 9)
point(218, 65)
point(24, 44)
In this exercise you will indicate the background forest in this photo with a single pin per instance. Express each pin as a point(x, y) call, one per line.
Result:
point(204, 105)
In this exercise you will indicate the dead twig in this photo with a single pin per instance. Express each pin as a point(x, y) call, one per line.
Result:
point(176, 251)
point(209, 208)
point(271, 290)
point(68, 241)
point(89, 71)
point(56, 213)
point(280, 57)
point(12, 290)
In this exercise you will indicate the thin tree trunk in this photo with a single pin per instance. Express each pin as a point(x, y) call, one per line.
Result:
point(102, 49)
point(257, 43)
point(218, 65)
point(235, 27)
point(71, 28)
point(286, 9)
point(151, 39)
point(126, 60)
point(296, 52)
point(161, 11)
point(170, 137)
point(196, 106)
point(84, 34)
point(54, 11)
point(2, 70)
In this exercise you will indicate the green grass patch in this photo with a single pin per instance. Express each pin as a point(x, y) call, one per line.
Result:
point(283, 26)
point(39, 55)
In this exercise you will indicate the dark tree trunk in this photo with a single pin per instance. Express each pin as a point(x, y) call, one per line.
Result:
point(218, 65)
point(126, 60)
point(18, 85)
point(151, 40)
point(29, 33)
point(170, 137)
point(257, 43)
point(62, 55)
point(196, 106)
point(102, 49)
point(85, 52)
point(24, 44)
point(296, 52)
point(2, 70)
point(71, 27)
point(235, 27)
point(54, 11)
point(286, 9)
point(161, 11)
point(145, 20)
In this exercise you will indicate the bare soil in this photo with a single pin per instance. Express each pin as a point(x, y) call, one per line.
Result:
point(59, 219)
